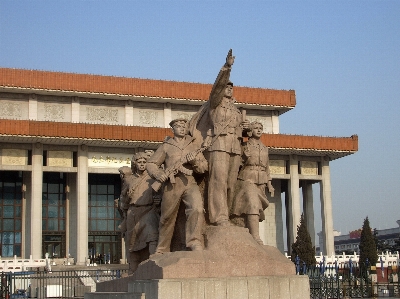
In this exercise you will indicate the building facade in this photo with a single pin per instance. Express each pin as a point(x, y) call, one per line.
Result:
point(63, 137)
point(351, 241)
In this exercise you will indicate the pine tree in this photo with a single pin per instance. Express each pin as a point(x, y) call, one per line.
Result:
point(367, 245)
point(303, 246)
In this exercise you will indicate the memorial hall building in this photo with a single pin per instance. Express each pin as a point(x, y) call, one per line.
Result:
point(63, 137)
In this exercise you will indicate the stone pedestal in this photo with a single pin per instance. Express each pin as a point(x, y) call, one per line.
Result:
point(233, 265)
point(262, 287)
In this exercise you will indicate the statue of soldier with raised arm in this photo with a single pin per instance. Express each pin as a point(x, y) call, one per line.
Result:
point(220, 117)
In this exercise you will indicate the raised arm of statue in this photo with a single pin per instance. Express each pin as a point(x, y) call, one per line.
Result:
point(218, 89)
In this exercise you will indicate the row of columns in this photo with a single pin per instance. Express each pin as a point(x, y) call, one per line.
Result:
point(293, 208)
point(77, 207)
point(78, 185)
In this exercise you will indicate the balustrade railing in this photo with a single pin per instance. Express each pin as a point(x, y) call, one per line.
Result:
point(55, 284)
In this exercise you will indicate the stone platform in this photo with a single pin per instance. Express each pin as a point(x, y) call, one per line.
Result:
point(233, 265)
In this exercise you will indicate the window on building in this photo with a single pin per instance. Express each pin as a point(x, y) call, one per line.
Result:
point(10, 213)
point(54, 214)
point(53, 202)
point(103, 190)
point(104, 236)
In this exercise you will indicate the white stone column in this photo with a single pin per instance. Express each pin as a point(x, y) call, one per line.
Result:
point(36, 202)
point(167, 114)
point(33, 107)
point(308, 208)
point(82, 206)
point(123, 246)
point(75, 107)
point(293, 213)
point(326, 208)
point(275, 122)
point(129, 113)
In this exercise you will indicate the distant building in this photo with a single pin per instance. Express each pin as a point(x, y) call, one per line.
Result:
point(63, 137)
point(350, 242)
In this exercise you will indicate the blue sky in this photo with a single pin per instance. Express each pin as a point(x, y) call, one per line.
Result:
point(341, 57)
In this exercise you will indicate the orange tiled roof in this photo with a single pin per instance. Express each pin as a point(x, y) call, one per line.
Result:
point(45, 80)
point(151, 134)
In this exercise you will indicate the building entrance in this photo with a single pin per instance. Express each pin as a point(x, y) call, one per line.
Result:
point(54, 245)
point(105, 249)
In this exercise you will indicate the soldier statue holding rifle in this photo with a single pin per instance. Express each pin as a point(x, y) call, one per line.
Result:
point(181, 158)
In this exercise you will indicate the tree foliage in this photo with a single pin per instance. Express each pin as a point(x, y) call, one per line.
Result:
point(381, 245)
point(303, 246)
point(396, 246)
point(367, 245)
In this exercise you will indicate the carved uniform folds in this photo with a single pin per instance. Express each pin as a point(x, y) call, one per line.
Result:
point(142, 218)
point(250, 198)
point(184, 189)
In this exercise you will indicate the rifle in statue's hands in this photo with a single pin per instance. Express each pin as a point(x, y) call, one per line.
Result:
point(178, 166)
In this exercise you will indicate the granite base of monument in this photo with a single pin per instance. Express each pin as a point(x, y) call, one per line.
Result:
point(233, 265)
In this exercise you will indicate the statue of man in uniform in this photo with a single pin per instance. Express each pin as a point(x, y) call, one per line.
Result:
point(181, 158)
point(223, 119)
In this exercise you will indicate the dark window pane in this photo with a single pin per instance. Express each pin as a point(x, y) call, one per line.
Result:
point(18, 211)
point(8, 224)
point(18, 237)
point(110, 225)
point(8, 212)
point(110, 201)
point(52, 224)
point(53, 188)
point(17, 250)
point(93, 225)
point(7, 238)
point(62, 212)
point(110, 189)
point(18, 226)
point(102, 213)
point(53, 212)
point(7, 250)
point(93, 212)
point(101, 189)
point(8, 198)
point(53, 199)
point(102, 225)
point(93, 189)
point(62, 224)
point(102, 200)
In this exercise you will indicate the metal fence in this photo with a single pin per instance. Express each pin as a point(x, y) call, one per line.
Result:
point(56, 284)
point(331, 281)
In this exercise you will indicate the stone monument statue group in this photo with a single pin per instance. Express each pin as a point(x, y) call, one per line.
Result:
point(210, 179)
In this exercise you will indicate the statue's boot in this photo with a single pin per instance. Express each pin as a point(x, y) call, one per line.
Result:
point(253, 226)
